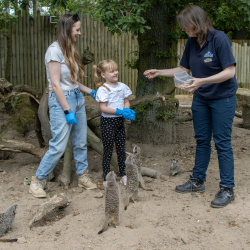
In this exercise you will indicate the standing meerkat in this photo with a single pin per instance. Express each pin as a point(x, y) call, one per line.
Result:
point(112, 202)
point(131, 189)
point(6, 219)
point(175, 167)
point(137, 161)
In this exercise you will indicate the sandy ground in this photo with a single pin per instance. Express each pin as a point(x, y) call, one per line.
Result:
point(161, 219)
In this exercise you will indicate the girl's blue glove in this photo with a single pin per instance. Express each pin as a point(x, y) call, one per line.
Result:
point(93, 93)
point(71, 118)
point(126, 113)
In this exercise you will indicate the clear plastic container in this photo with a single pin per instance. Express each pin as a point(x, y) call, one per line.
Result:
point(180, 79)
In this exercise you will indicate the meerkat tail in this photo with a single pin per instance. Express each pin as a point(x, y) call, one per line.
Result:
point(105, 225)
point(8, 240)
point(127, 198)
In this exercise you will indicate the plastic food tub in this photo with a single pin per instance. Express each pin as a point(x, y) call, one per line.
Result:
point(180, 79)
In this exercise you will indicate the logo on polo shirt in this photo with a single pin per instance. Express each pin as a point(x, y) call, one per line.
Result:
point(208, 54)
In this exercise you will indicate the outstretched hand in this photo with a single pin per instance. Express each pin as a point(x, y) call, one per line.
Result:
point(197, 82)
point(151, 73)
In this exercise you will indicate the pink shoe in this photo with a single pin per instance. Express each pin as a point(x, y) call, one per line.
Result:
point(124, 180)
point(105, 184)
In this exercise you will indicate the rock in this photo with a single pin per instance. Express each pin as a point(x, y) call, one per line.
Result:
point(21, 240)
point(99, 195)
point(49, 211)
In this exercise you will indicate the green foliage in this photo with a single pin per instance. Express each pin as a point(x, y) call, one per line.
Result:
point(148, 42)
point(133, 64)
point(140, 110)
point(5, 19)
point(14, 104)
point(167, 112)
point(241, 85)
point(123, 16)
point(166, 54)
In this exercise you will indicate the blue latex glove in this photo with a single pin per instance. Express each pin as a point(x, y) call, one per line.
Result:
point(126, 113)
point(129, 113)
point(71, 118)
point(93, 93)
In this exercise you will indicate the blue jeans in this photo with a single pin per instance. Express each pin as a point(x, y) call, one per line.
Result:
point(61, 131)
point(214, 117)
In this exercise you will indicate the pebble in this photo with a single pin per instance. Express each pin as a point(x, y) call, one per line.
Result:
point(99, 195)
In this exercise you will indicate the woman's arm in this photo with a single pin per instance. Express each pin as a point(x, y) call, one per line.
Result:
point(224, 75)
point(83, 88)
point(105, 109)
point(152, 73)
point(126, 103)
point(54, 73)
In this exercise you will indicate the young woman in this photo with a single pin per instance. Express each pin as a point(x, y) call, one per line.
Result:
point(114, 104)
point(209, 57)
point(66, 105)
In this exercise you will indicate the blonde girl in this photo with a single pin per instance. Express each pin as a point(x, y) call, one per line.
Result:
point(114, 104)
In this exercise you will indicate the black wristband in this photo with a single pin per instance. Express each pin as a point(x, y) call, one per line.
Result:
point(67, 111)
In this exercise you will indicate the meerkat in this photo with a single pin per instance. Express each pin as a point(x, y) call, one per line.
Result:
point(175, 167)
point(131, 189)
point(112, 202)
point(6, 219)
point(137, 161)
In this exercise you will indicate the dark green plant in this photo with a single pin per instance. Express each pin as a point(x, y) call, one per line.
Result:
point(241, 85)
point(140, 110)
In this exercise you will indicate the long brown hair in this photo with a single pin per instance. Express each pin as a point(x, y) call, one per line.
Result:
point(194, 17)
point(71, 56)
point(101, 68)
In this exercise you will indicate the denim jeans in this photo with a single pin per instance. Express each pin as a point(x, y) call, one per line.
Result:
point(61, 131)
point(214, 117)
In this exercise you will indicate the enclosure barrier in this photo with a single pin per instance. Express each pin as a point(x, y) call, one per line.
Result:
point(32, 36)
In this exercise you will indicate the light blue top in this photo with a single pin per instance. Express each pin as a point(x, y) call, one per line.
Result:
point(115, 97)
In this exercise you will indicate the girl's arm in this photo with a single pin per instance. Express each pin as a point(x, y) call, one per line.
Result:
point(54, 73)
point(224, 75)
point(152, 73)
point(83, 88)
point(105, 109)
point(126, 103)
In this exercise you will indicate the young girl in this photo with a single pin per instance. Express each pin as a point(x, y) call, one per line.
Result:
point(114, 104)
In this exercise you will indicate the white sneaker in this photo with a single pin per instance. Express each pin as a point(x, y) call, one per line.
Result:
point(105, 184)
point(124, 180)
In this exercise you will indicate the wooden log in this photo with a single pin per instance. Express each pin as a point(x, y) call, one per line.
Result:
point(43, 117)
point(65, 177)
point(21, 147)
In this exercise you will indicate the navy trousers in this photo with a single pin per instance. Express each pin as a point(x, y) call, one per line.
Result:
point(214, 118)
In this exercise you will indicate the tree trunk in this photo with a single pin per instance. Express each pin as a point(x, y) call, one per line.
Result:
point(157, 50)
point(9, 48)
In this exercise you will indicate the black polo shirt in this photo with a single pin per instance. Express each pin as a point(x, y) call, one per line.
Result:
point(214, 56)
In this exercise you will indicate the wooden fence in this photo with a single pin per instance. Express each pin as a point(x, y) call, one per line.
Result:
point(31, 38)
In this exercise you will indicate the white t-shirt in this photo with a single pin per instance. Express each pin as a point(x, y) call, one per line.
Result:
point(115, 97)
point(54, 53)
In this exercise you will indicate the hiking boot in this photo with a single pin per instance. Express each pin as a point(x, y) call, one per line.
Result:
point(124, 180)
point(223, 197)
point(85, 182)
point(37, 187)
point(192, 185)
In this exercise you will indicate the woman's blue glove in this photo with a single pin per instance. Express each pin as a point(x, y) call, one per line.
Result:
point(126, 113)
point(93, 93)
point(71, 118)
